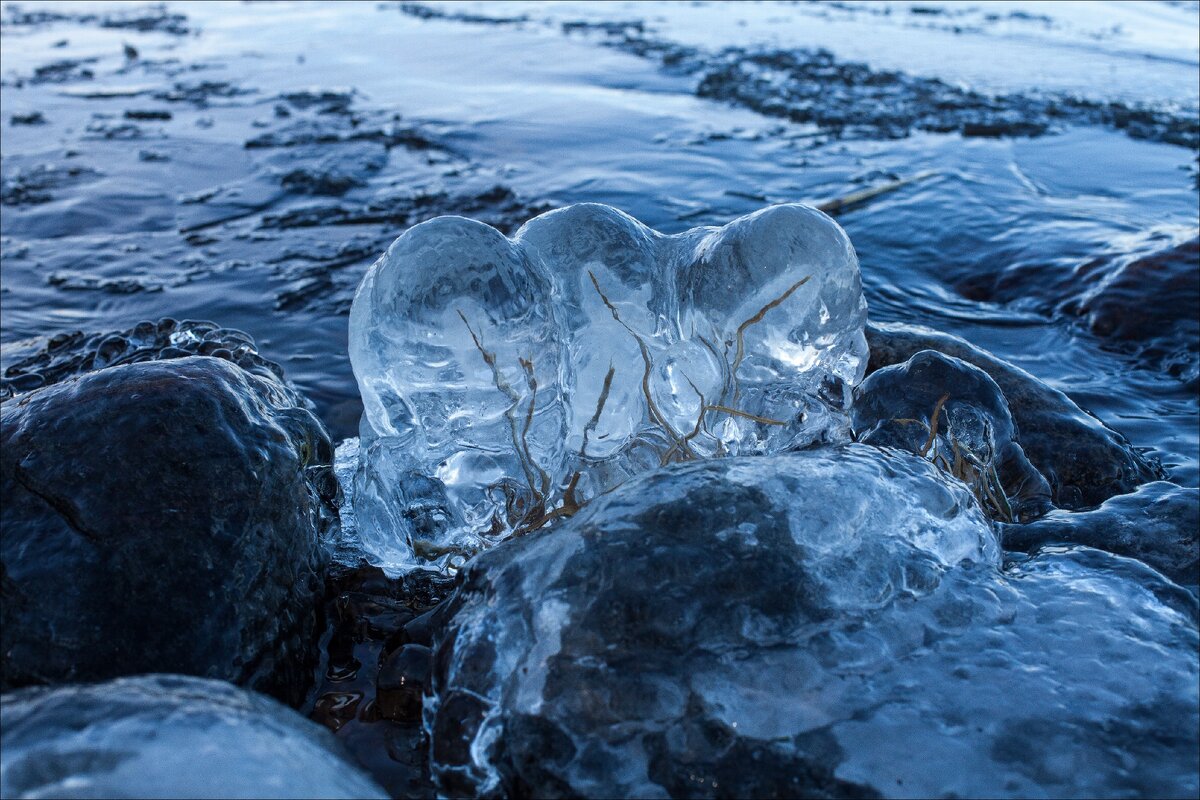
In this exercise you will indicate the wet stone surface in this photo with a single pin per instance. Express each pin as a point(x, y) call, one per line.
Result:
point(35, 363)
point(166, 515)
point(795, 612)
point(1142, 300)
point(1085, 461)
point(953, 413)
point(1159, 524)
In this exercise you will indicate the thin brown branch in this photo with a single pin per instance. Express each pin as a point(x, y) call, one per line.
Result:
point(933, 423)
point(837, 205)
point(648, 363)
point(745, 415)
point(754, 320)
point(600, 403)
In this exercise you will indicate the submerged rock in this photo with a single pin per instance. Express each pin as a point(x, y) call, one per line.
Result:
point(827, 623)
point(167, 736)
point(954, 414)
point(1159, 524)
point(1085, 461)
point(1142, 300)
point(162, 516)
point(506, 381)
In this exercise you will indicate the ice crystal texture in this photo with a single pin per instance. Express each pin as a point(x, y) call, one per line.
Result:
point(829, 623)
point(507, 381)
point(167, 736)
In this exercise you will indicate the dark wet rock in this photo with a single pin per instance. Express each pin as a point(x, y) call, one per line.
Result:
point(815, 87)
point(139, 18)
point(852, 99)
point(152, 156)
point(167, 736)
point(167, 515)
point(147, 114)
point(598, 628)
point(64, 71)
point(1084, 461)
point(146, 19)
point(114, 131)
point(34, 185)
point(365, 616)
point(498, 206)
point(32, 118)
point(336, 170)
point(1159, 524)
point(17, 16)
point(423, 11)
point(955, 415)
point(609, 28)
point(143, 19)
point(324, 131)
point(42, 362)
point(323, 101)
point(75, 281)
point(759, 626)
point(201, 93)
point(1144, 300)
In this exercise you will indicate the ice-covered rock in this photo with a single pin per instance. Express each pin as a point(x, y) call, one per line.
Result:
point(1158, 524)
point(38, 362)
point(507, 381)
point(833, 622)
point(167, 736)
point(162, 516)
point(954, 414)
point(1084, 460)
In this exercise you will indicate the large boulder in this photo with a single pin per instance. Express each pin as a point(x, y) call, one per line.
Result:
point(1141, 297)
point(1085, 461)
point(167, 736)
point(826, 623)
point(162, 516)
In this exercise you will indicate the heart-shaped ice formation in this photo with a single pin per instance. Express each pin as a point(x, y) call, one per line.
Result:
point(508, 381)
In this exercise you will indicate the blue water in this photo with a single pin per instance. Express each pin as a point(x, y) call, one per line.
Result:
point(134, 187)
point(559, 117)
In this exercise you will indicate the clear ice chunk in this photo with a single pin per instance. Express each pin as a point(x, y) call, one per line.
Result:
point(506, 382)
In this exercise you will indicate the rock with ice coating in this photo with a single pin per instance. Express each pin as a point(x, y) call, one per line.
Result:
point(167, 736)
point(955, 415)
point(507, 381)
point(1158, 524)
point(1085, 461)
point(833, 622)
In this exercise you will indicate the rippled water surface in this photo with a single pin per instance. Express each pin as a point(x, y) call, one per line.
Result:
point(139, 194)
